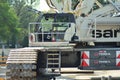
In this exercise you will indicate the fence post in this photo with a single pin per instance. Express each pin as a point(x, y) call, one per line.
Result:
point(3, 50)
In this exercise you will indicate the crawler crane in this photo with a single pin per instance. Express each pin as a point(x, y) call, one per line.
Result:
point(86, 38)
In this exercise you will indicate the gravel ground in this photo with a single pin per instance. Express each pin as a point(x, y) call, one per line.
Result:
point(3, 72)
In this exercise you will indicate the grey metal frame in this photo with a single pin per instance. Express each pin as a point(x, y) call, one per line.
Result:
point(36, 33)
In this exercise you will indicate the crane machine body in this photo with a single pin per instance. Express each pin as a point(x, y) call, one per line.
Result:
point(84, 38)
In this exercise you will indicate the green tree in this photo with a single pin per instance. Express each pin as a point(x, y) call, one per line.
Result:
point(8, 22)
point(26, 15)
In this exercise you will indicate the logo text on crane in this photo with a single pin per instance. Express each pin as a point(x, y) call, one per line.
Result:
point(106, 33)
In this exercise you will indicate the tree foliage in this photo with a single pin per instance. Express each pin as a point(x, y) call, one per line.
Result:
point(26, 15)
point(8, 22)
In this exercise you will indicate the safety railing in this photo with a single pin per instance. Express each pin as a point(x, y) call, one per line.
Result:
point(49, 32)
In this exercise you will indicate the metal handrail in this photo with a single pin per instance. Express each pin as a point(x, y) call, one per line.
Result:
point(46, 32)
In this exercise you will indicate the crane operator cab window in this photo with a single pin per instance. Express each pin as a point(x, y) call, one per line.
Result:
point(54, 26)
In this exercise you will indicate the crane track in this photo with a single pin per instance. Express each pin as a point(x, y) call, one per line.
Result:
point(21, 64)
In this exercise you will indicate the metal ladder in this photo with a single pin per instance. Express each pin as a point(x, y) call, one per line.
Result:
point(53, 62)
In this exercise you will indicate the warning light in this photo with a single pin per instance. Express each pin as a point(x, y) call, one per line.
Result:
point(85, 55)
point(85, 63)
point(31, 38)
point(53, 39)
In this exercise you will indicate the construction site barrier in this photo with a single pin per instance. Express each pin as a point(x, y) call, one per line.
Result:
point(3, 60)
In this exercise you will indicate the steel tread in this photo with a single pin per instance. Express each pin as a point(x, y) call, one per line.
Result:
point(21, 64)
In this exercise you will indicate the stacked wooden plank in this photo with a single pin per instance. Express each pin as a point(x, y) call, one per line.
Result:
point(3, 60)
point(21, 64)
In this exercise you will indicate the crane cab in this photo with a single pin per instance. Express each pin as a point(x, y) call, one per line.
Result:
point(52, 27)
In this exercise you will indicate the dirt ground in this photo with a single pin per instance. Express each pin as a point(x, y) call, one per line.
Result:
point(80, 75)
